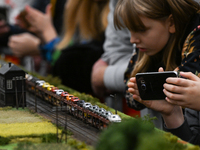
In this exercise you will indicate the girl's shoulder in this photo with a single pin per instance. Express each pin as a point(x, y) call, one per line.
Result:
point(191, 43)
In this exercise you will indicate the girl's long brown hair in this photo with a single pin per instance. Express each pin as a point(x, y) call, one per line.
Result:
point(127, 14)
point(88, 16)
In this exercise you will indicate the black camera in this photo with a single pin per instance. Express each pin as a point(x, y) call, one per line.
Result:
point(150, 84)
point(143, 85)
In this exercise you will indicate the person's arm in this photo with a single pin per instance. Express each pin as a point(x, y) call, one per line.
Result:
point(117, 53)
point(189, 130)
point(97, 74)
point(185, 92)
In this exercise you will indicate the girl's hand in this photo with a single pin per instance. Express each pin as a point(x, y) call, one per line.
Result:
point(161, 106)
point(183, 92)
point(172, 114)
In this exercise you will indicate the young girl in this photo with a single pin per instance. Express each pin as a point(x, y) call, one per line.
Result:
point(166, 34)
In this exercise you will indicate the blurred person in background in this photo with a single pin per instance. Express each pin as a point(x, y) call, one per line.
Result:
point(10, 9)
point(108, 71)
point(73, 52)
point(28, 42)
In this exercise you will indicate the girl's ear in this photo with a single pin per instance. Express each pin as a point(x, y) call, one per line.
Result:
point(172, 28)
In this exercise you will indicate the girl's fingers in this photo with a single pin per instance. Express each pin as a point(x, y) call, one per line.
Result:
point(133, 79)
point(133, 91)
point(174, 102)
point(189, 75)
point(173, 88)
point(182, 81)
point(137, 98)
point(173, 96)
point(178, 81)
point(130, 84)
point(160, 69)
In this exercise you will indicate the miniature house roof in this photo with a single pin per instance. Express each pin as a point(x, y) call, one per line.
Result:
point(9, 67)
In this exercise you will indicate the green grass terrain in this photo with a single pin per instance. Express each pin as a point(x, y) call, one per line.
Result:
point(22, 130)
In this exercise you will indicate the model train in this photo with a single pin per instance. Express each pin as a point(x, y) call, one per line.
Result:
point(92, 114)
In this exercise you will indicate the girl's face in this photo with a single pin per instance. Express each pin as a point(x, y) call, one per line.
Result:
point(155, 37)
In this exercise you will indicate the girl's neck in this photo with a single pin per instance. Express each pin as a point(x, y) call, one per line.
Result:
point(158, 57)
point(156, 61)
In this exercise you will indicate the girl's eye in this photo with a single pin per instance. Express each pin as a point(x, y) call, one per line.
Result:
point(142, 30)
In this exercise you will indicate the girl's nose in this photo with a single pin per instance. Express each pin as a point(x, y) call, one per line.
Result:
point(134, 38)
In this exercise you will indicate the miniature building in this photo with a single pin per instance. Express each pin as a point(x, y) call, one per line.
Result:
point(12, 86)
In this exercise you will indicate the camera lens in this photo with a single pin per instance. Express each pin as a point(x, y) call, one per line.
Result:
point(143, 87)
point(142, 81)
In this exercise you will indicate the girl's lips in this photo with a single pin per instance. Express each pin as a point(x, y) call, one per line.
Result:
point(142, 49)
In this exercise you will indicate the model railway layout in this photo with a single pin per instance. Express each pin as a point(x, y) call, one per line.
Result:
point(80, 130)
point(15, 83)
point(88, 113)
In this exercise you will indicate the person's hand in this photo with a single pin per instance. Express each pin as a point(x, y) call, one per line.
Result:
point(4, 28)
point(157, 105)
point(170, 112)
point(40, 23)
point(24, 44)
point(183, 92)
point(21, 21)
point(97, 76)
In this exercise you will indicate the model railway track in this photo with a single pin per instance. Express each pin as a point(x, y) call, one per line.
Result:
point(79, 129)
point(81, 117)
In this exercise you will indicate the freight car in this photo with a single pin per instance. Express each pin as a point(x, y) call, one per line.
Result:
point(93, 115)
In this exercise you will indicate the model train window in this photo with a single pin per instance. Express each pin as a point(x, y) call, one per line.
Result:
point(9, 84)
